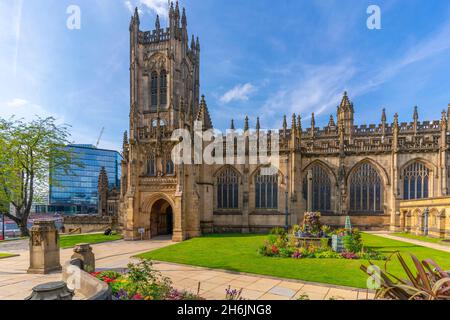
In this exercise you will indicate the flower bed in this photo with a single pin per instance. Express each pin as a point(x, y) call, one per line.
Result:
point(288, 245)
point(142, 282)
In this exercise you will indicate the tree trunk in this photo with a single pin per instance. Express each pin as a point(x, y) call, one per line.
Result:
point(24, 229)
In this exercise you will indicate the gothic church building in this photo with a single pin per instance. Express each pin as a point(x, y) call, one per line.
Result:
point(367, 172)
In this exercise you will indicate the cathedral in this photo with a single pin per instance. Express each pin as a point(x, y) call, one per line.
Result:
point(384, 176)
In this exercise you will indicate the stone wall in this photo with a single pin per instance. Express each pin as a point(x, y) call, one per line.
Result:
point(412, 217)
point(88, 223)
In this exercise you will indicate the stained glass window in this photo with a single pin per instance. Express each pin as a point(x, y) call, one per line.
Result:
point(163, 88)
point(154, 89)
point(416, 181)
point(366, 190)
point(321, 189)
point(266, 191)
point(228, 189)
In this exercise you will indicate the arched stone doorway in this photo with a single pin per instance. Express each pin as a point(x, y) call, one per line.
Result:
point(161, 218)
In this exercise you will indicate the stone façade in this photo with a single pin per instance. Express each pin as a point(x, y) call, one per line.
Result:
point(159, 198)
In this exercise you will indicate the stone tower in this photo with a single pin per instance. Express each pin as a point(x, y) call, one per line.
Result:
point(164, 96)
point(103, 189)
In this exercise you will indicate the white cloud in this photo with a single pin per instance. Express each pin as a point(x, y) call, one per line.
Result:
point(17, 103)
point(238, 93)
point(320, 89)
point(159, 7)
point(24, 109)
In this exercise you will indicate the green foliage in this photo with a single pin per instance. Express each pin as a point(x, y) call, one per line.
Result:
point(426, 281)
point(278, 231)
point(28, 150)
point(287, 246)
point(146, 281)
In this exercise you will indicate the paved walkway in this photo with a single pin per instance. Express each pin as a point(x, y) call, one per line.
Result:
point(15, 283)
point(431, 245)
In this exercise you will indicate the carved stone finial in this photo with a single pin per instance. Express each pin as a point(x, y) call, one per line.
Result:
point(313, 120)
point(416, 114)
point(258, 125)
point(299, 122)
point(198, 44)
point(157, 23)
point(232, 127)
point(125, 138)
point(284, 123)
point(294, 124)
point(246, 126)
point(383, 116)
point(193, 43)
point(331, 123)
point(184, 19)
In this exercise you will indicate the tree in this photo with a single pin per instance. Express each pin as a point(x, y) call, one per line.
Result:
point(28, 152)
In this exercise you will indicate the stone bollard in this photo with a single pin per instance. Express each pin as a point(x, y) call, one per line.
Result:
point(83, 253)
point(44, 248)
point(51, 291)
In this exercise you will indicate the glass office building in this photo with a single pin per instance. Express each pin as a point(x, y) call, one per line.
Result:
point(75, 192)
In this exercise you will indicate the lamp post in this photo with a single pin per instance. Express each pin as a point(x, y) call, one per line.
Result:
point(286, 194)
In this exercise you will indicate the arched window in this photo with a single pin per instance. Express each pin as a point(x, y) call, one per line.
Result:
point(154, 89)
point(366, 190)
point(163, 88)
point(416, 181)
point(321, 189)
point(170, 170)
point(266, 191)
point(228, 189)
point(151, 166)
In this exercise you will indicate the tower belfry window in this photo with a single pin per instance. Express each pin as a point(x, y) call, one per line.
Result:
point(163, 88)
point(154, 89)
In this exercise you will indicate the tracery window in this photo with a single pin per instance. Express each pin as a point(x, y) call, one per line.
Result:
point(154, 89)
point(266, 191)
point(163, 88)
point(416, 181)
point(151, 166)
point(170, 170)
point(228, 189)
point(321, 189)
point(366, 190)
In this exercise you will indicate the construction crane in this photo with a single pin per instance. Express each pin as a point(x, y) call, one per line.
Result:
point(100, 137)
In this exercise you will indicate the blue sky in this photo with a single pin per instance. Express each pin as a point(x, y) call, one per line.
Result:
point(259, 57)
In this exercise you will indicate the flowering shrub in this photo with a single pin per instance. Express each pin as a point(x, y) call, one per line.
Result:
point(349, 255)
point(142, 282)
point(285, 246)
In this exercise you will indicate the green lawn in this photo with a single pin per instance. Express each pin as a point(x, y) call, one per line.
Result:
point(421, 238)
point(7, 255)
point(239, 253)
point(68, 241)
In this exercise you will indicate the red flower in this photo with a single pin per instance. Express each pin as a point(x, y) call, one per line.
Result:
point(275, 250)
point(108, 280)
point(137, 297)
